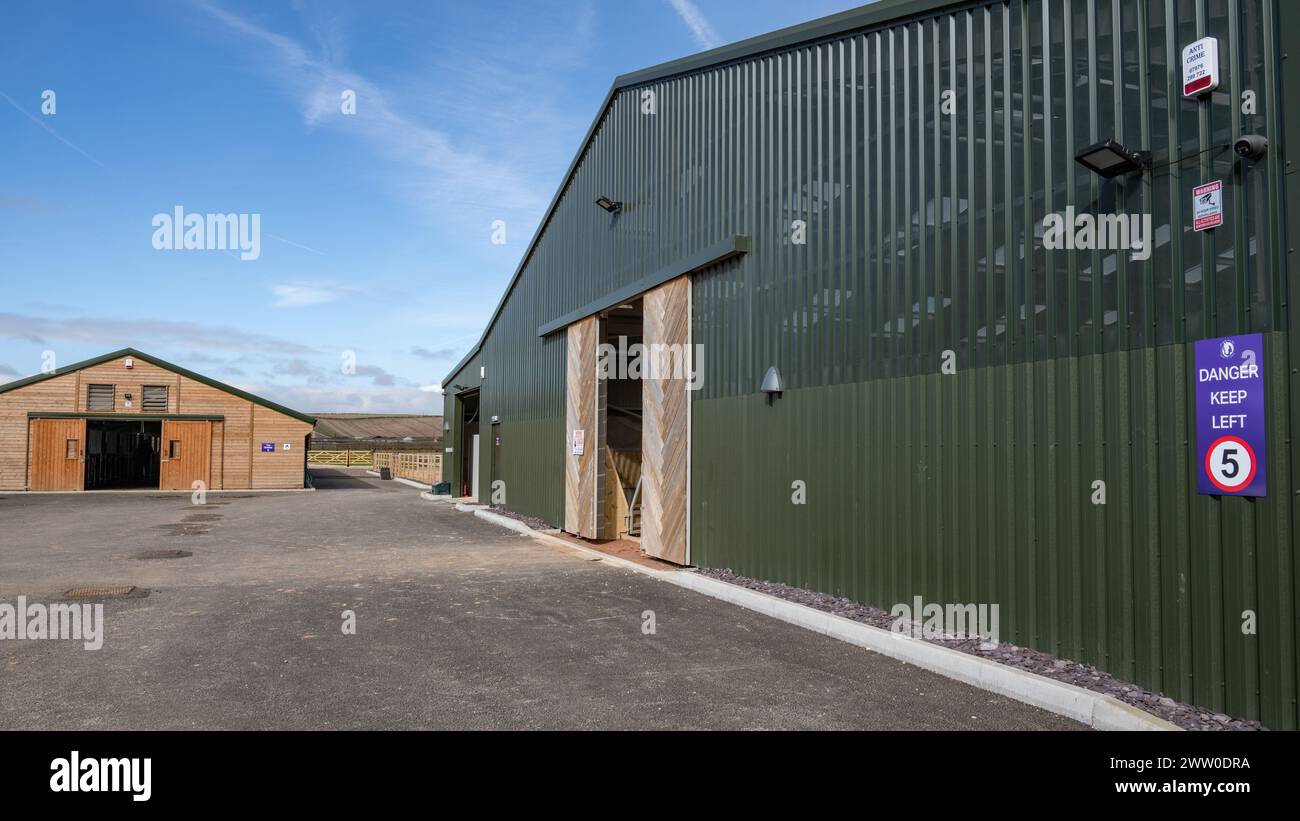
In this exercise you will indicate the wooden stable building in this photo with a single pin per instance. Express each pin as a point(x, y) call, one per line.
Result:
point(128, 420)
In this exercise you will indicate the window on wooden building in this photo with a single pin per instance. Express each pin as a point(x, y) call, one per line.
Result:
point(99, 397)
point(154, 399)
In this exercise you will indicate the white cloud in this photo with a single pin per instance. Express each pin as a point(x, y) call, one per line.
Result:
point(701, 29)
point(434, 388)
point(140, 333)
point(309, 399)
point(299, 294)
point(446, 172)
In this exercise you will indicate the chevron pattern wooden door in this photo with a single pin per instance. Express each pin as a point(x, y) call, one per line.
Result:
point(665, 421)
point(580, 497)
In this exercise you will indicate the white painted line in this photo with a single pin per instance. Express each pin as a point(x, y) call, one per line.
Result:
point(1095, 709)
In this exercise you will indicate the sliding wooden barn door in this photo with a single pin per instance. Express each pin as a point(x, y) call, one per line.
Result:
point(186, 455)
point(58, 448)
point(665, 432)
point(581, 451)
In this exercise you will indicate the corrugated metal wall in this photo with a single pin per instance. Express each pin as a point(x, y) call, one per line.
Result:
point(1071, 366)
point(923, 229)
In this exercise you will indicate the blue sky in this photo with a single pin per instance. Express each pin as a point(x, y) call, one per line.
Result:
point(375, 227)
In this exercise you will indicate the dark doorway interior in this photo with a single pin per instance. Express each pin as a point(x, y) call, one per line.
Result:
point(622, 329)
point(122, 454)
point(469, 413)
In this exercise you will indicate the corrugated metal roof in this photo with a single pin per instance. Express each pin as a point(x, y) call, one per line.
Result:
point(812, 31)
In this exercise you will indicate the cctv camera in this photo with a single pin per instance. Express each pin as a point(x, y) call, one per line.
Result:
point(1251, 146)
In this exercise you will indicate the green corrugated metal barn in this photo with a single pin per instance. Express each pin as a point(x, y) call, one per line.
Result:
point(850, 199)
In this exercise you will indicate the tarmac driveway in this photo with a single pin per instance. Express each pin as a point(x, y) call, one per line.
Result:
point(459, 625)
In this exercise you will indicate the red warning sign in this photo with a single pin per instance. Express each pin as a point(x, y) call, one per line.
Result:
point(1200, 67)
point(1207, 206)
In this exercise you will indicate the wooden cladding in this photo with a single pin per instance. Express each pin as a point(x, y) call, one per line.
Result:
point(237, 432)
point(665, 420)
point(186, 456)
point(581, 514)
point(58, 454)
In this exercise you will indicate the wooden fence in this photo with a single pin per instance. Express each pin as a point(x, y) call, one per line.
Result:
point(418, 466)
point(342, 458)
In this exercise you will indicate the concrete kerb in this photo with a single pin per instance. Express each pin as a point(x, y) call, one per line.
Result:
point(1102, 712)
point(411, 482)
point(504, 521)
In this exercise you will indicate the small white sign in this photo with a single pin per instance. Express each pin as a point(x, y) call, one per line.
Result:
point(287, 446)
point(1207, 206)
point(1201, 67)
point(126, 403)
point(579, 442)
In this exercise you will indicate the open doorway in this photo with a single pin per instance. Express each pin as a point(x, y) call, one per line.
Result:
point(622, 332)
point(122, 455)
point(469, 451)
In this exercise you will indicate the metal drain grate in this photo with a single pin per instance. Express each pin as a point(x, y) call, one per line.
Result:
point(93, 592)
point(164, 554)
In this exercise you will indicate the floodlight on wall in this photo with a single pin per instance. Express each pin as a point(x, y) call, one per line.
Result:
point(609, 205)
point(773, 385)
point(1110, 159)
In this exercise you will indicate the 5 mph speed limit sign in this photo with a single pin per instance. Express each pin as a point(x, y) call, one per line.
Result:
point(1230, 463)
point(1231, 433)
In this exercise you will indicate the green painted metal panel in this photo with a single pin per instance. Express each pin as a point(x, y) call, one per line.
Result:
point(910, 492)
point(924, 227)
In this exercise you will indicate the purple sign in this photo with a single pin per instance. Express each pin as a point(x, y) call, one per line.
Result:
point(268, 447)
point(1230, 436)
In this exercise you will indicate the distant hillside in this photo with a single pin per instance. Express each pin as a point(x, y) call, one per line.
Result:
point(369, 430)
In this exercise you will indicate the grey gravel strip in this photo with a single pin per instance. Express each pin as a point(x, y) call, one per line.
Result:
point(1186, 716)
point(532, 521)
